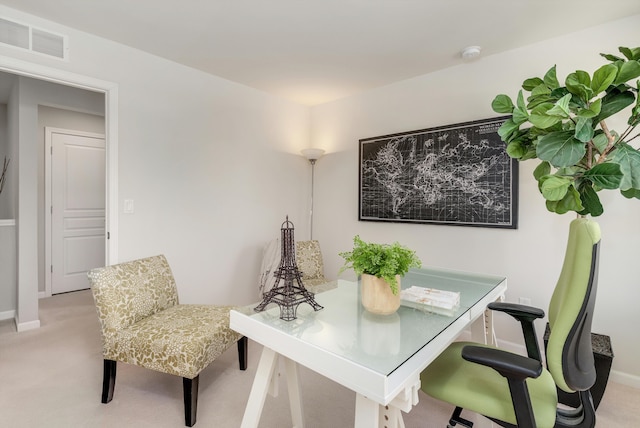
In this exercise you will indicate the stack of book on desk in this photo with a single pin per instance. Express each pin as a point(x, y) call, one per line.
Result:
point(431, 299)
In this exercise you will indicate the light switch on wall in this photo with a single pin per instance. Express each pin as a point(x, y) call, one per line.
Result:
point(128, 206)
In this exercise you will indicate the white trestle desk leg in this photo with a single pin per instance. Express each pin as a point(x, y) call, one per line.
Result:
point(293, 387)
point(479, 331)
point(367, 412)
point(391, 417)
point(261, 384)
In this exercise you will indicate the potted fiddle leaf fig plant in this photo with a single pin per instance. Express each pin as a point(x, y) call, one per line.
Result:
point(381, 267)
point(565, 127)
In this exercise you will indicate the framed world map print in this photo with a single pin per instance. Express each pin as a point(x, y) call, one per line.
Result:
point(456, 175)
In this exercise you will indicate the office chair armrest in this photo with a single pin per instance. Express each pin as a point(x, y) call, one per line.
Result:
point(516, 369)
point(509, 365)
point(526, 315)
point(519, 312)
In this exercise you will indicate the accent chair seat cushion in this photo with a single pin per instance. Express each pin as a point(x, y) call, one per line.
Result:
point(181, 340)
point(482, 390)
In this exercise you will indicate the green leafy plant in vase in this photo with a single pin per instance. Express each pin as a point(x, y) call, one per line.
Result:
point(564, 126)
point(381, 267)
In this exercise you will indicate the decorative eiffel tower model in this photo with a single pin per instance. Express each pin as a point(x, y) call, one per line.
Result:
point(288, 296)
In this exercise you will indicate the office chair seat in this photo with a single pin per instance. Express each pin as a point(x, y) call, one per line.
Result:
point(483, 390)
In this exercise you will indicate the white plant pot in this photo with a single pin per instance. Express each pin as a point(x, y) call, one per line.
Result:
point(377, 296)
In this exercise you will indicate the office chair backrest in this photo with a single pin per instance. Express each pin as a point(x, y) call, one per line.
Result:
point(569, 353)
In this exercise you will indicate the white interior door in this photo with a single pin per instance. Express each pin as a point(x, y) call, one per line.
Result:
point(77, 208)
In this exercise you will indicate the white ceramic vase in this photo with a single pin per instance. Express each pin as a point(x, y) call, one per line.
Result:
point(377, 296)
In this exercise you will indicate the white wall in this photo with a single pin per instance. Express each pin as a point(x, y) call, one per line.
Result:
point(213, 167)
point(530, 256)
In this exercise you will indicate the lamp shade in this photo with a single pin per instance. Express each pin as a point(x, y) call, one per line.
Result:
point(312, 154)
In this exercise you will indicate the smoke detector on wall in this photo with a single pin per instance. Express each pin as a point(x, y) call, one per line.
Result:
point(471, 52)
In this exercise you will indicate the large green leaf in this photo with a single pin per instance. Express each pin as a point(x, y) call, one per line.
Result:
point(554, 188)
point(584, 130)
point(628, 159)
point(533, 102)
point(630, 53)
point(601, 141)
point(561, 107)
point(629, 70)
point(520, 101)
point(579, 83)
point(560, 149)
point(605, 175)
point(612, 58)
point(631, 193)
point(507, 128)
point(603, 77)
point(570, 202)
point(531, 83)
point(614, 102)
point(550, 79)
point(590, 201)
point(592, 110)
point(540, 119)
point(541, 170)
point(540, 90)
point(502, 104)
point(520, 116)
point(516, 150)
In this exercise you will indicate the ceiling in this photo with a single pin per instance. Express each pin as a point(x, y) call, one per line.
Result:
point(316, 51)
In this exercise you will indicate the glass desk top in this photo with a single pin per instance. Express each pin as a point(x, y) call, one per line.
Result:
point(381, 343)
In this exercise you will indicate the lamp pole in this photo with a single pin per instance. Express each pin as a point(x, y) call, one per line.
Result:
point(312, 155)
point(313, 167)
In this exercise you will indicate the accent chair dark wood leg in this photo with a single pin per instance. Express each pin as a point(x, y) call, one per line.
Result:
point(109, 380)
point(190, 399)
point(243, 352)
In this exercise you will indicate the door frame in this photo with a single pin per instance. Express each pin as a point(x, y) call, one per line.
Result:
point(48, 180)
point(110, 90)
point(27, 291)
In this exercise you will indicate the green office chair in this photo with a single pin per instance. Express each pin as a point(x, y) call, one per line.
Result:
point(513, 390)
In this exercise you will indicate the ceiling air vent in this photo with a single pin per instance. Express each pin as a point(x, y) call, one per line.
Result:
point(32, 39)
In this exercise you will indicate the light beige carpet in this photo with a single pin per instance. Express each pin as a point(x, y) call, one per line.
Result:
point(52, 377)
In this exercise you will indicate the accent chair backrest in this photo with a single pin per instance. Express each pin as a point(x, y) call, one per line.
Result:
point(129, 292)
point(569, 353)
point(309, 259)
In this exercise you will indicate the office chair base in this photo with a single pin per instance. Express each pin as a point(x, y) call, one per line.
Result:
point(456, 419)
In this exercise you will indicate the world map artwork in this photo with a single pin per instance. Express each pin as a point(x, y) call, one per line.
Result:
point(458, 174)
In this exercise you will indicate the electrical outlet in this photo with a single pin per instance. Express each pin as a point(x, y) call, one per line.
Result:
point(524, 301)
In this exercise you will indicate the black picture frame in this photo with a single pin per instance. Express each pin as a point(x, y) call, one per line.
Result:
point(456, 174)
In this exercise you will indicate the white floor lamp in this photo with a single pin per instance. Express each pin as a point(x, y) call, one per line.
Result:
point(312, 156)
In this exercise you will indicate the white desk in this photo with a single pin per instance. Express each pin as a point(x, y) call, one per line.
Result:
point(378, 357)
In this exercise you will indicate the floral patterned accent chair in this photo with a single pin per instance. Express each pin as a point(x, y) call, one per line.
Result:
point(311, 266)
point(144, 325)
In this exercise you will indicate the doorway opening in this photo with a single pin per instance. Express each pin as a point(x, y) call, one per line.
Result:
point(27, 248)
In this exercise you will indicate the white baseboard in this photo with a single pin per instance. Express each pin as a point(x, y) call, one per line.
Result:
point(625, 379)
point(24, 326)
point(7, 315)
